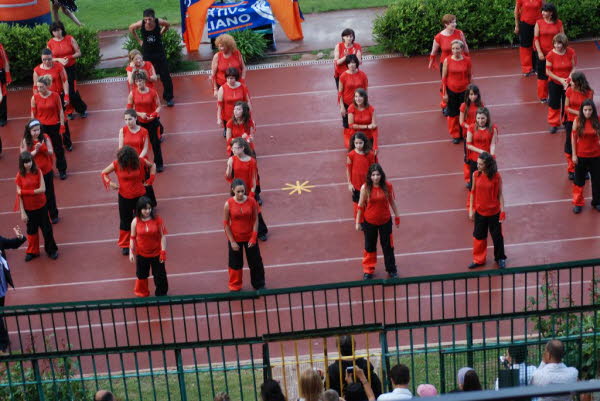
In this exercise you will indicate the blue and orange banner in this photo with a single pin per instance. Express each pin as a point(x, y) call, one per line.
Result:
point(245, 14)
point(26, 12)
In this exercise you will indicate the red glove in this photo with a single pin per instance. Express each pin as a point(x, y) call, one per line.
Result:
point(253, 238)
point(162, 256)
point(8, 78)
point(502, 216)
point(150, 179)
point(67, 98)
point(397, 220)
point(105, 181)
point(152, 115)
point(62, 129)
point(27, 192)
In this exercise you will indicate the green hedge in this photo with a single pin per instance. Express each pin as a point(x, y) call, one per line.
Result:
point(251, 44)
point(172, 43)
point(408, 26)
point(24, 46)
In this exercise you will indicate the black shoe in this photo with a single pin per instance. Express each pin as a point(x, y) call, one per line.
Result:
point(530, 73)
point(124, 251)
point(544, 100)
point(63, 175)
point(445, 111)
point(587, 176)
point(456, 141)
point(468, 186)
point(259, 202)
point(367, 276)
point(262, 237)
point(2, 123)
point(160, 169)
point(553, 130)
point(53, 256)
point(475, 265)
point(501, 263)
point(83, 115)
point(69, 148)
point(392, 275)
point(597, 207)
point(55, 220)
point(170, 103)
point(571, 176)
point(30, 256)
point(577, 209)
point(262, 287)
point(70, 116)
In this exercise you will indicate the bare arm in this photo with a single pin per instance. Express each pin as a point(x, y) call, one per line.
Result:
point(517, 17)
point(494, 141)
point(228, 233)
point(219, 106)
point(362, 201)
point(120, 138)
point(213, 67)
point(574, 142)
point(393, 205)
point(65, 82)
point(33, 106)
point(536, 41)
point(132, 240)
point(133, 31)
point(76, 48)
point(501, 197)
point(145, 148)
point(471, 197)
point(152, 74)
point(229, 170)
point(48, 143)
point(164, 25)
point(348, 173)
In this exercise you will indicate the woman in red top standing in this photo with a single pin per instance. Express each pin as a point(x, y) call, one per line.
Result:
point(482, 136)
point(527, 12)
point(240, 219)
point(5, 79)
point(47, 108)
point(586, 154)
point(361, 117)
point(133, 135)
point(136, 62)
point(65, 50)
point(228, 95)
point(132, 184)
point(40, 147)
point(486, 208)
point(373, 218)
point(560, 63)
point(148, 249)
point(241, 125)
point(146, 103)
point(456, 77)
point(350, 81)
point(227, 57)
point(32, 203)
point(359, 159)
point(576, 93)
point(345, 47)
point(544, 31)
point(468, 112)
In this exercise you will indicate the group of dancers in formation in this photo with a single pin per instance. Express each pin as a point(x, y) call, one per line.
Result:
point(142, 234)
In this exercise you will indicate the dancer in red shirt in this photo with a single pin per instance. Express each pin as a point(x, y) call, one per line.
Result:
point(240, 219)
point(32, 203)
point(136, 62)
point(241, 125)
point(132, 184)
point(482, 136)
point(148, 249)
point(228, 95)
point(527, 12)
point(133, 135)
point(576, 93)
point(359, 159)
point(544, 31)
point(40, 147)
point(5, 79)
point(560, 63)
point(227, 57)
point(373, 218)
point(345, 47)
point(586, 154)
point(468, 111)
point(349, 82)
point(456, 77)
point(65, 51)
point(487, 210)
point(47, 108)
point(361, 117)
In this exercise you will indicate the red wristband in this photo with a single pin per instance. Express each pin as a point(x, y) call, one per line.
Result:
point(397, 220)
point(105, 180)
point(8, 77)
point(163, 256)
point(130, 105)
point(27, 192)
point(67, 98)
point(502, 216)
point(150, 179)
point(253, 237)
point(62, 129)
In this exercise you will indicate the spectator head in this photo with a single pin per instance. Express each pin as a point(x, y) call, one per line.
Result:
point(400, 375)
point(346, 345)
point(555, 350)
point(310, 385)
point(331, 395)
point(518, 353)
point(270, 390)
point(104, 395)
point(355, 392)
point(460, 376)
point(471, 381)
point(426, 390)
point(222, 397)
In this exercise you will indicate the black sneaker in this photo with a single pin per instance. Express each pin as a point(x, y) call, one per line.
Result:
point(262, 237)
point(475, 265)
point(170, 103)
point(2, 123)
point(553, 130)
point(445, 111)
point(571, 176)
point(367, 276)
point(456, 141)
point(69, 148)
point(392, 275)
point(125, 251)
point(597, 207)
point(55, 220)
point(53, 256)
point(70, 116)
point(160, 169)
point(501, 263)
point(30, 256)
point(544, 100)
point(63, 175)
point(577, 209)
point(83, 115)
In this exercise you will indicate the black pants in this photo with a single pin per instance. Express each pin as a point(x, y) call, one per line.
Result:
point(355, 196)
point(3, 103)
point(4, 341)
point(67, 135)
point(345, 118)
point(53, 131)
point(526, 32)
point(74, 96)
point(262, 226)
point(255, 263)
point(591, 165)
point(337, 82)
point(556, 96)
point(142, 271)
point(455, 99)
point(385, 239)
point(38, 219)
point(126, 212)
point(153, 127)
point(50, 195)
point(568, 129)
point(472, 169)
point(541, 70)
point(162, 68)
point(491, 223)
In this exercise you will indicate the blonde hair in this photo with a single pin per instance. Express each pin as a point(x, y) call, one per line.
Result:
point(460, 42)
point(45, 79)
point(134, 53)
point(561, 38)
point(448, 18)
point(310, 386)
point(226, 40)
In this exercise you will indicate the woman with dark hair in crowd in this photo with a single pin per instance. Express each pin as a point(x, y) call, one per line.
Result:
point(240, 219)
point(471, 381)
point(32, 203)
point(346, 47)
point(545, 30)
point(137, 62)
point(482, 136)
point(148, 249)
point(586, 154)
point(560, 63)
point(40, 148)
point(133, 135)
point(65, 51)
point(131, 183)
point(350, 81)
point(361, 118)
point(359, 159)
point(227, 57)
point(527, 12)
point(5, 79)
point(467, 117)
point(578, 91)
point(456, 77)
point(374, 218)
point(228, 95)
point(270, 390)
point(486, 208)
point(240, 125)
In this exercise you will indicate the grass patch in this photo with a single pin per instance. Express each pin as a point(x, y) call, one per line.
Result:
point(319, 6)
point(296, 57)
point(375, 50)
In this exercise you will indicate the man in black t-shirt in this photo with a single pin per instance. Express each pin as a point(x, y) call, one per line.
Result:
point(152, 29)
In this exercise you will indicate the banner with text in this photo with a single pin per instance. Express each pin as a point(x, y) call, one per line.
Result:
point(222, 18)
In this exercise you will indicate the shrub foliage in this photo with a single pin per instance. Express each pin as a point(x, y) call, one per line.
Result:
point(251, 44)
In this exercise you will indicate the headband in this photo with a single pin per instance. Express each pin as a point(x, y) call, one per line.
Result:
point(33, 123)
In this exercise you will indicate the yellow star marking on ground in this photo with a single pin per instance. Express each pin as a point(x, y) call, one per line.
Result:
point(297, 188)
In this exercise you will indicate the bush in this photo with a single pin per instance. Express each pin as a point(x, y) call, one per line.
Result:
point(408, 26)
point(172, 43)
point(251, 44)
point(24, 46)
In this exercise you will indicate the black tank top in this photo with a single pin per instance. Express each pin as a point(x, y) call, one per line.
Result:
point(152, 42)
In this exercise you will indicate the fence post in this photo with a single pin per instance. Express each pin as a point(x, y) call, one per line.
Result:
point(266, 362)
point(385, 360)
point(180, 375)
point(470, 344)
point(442, 373)
point(38, 379)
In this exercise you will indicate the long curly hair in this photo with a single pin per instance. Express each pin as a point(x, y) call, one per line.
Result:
point(490, 167)
point(128, 158)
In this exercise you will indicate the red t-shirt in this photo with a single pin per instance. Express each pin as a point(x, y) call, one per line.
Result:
point(135, 140)
point(242, 218)
point(562, 64)
point(358, 167)
point(364, 117)
point(458, 74)
point(547, 32)
point(47, 109)
point(245, 171)
point(31, 181)
point(344, 51)
point(146, 67)
point(131, 182)
point(482, 139)
point(230, 97)
point(223, 63)
point(42, 159)
point(485, 194)
point(237, 130)
point(2, 53)
point(576, 98)
point(471, 113)
point(531, 10)
point(588, 145)
point(144, 102)
point(377, 211)
point(63, 48)
point(148, 235)
point(56, 72)
point(351, 82)
point(445, 42)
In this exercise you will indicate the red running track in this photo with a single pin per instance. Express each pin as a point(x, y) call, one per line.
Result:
point(312, 238)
